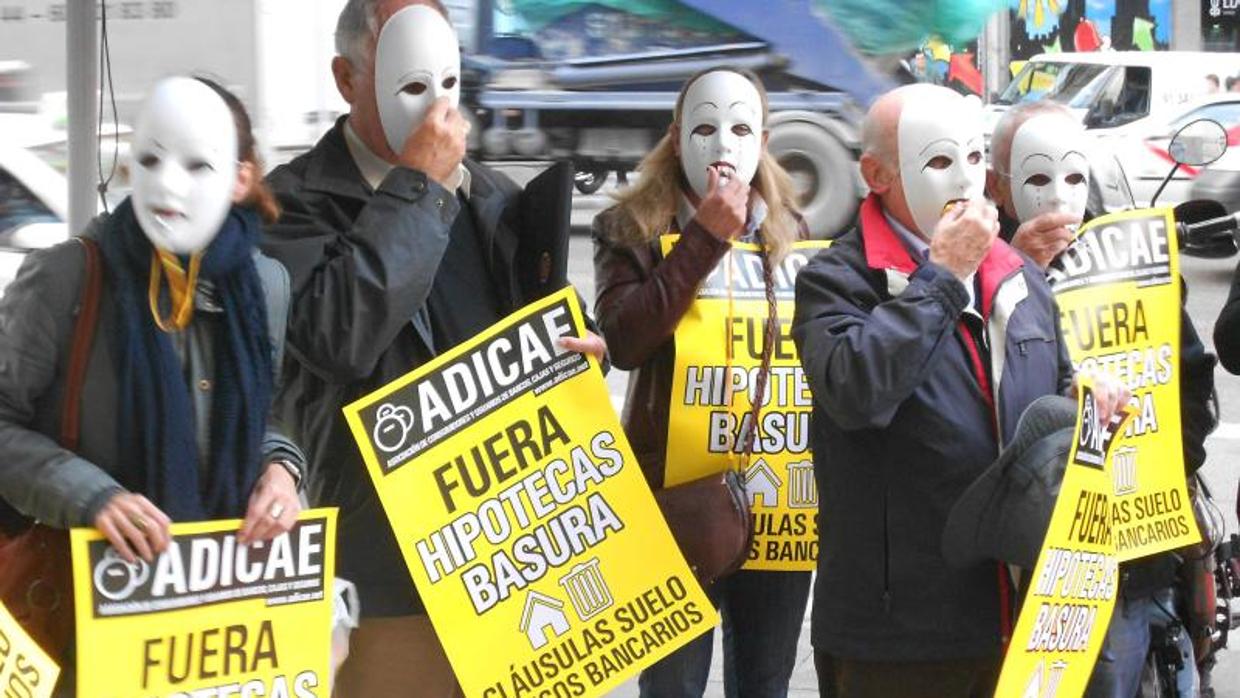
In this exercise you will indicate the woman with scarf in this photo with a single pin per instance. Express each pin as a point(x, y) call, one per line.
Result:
point(712, 181)
point(174, 405)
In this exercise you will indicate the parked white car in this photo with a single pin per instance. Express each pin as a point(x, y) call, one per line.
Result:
point(33, 208)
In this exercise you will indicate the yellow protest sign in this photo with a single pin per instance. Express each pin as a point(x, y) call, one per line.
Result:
point(1073, 585)
point(533, 540)
point(718, 358)
point(1118, 289)
point(209, 618)
point(25, 669)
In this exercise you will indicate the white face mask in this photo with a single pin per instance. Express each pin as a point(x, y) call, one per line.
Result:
point(417, 60)
point(720, 124)
point(184, 165)
point(1049, 169)
point(940, 147)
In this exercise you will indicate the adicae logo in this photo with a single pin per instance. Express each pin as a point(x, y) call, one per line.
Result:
point(392, 426)
point(117, 579)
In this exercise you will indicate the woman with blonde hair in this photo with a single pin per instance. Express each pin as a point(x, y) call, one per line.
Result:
point(711, 181)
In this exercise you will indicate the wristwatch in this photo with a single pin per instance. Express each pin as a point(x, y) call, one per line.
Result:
point(292, 468)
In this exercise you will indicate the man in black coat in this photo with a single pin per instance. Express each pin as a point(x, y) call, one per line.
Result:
point(397, 253)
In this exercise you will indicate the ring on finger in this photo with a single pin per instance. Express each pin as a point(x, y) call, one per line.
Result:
point(138, 522)
point(277, 510)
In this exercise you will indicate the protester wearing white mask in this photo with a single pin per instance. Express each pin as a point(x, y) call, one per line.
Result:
point(398, 251)
point(711, 180)
point(940, 154)
point(417, 62)
point(1039, 178)
point(907, 330)
point(181, 373)
point(185, 168)
point(721, 129)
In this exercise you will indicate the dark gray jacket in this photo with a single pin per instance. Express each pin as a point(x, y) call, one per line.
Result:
point(909, 408)
point(362, 263)
point(37, 315)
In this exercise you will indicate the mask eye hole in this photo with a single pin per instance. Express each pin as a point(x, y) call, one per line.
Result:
point(148, 160)
point(975, 157)
point(938, 162)
point(1038, 180)
point(742, 130)
point(414, 88)
point(449, 82)
point(1075, 178)
point(704, 130)
point(197, 166)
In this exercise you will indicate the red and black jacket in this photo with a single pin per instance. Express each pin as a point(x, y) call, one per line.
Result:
point(911, 404)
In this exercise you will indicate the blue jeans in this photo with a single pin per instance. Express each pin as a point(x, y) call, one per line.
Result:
point(762, 615)
point(1118, 671)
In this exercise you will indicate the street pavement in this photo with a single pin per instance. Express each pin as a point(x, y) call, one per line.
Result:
point(1208, 282)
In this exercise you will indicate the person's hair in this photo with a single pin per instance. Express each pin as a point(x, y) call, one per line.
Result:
point(653, 200)
point(358, 26)
point(1229, 82)
point(1212, 78)
point(260, 198)
point(1005, 130)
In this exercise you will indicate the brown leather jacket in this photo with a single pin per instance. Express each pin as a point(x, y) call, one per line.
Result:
point(640, 297)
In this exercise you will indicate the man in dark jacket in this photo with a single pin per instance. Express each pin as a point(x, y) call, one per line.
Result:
point(923, 339)
point(398, 249)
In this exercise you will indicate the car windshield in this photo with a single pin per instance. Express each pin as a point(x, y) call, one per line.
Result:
point(1066, 83)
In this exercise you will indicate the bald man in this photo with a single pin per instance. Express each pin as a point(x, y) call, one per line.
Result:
point(923, 337)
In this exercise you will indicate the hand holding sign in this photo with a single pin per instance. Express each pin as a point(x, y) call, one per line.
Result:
point(273, 506)
point(132, 523)
point(1110, 394)
point(590, 344)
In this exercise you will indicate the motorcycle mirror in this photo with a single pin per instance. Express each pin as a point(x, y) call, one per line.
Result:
point(1198, 143)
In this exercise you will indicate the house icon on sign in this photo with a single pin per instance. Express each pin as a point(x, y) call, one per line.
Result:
point(541, 613)
point(761, 481)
